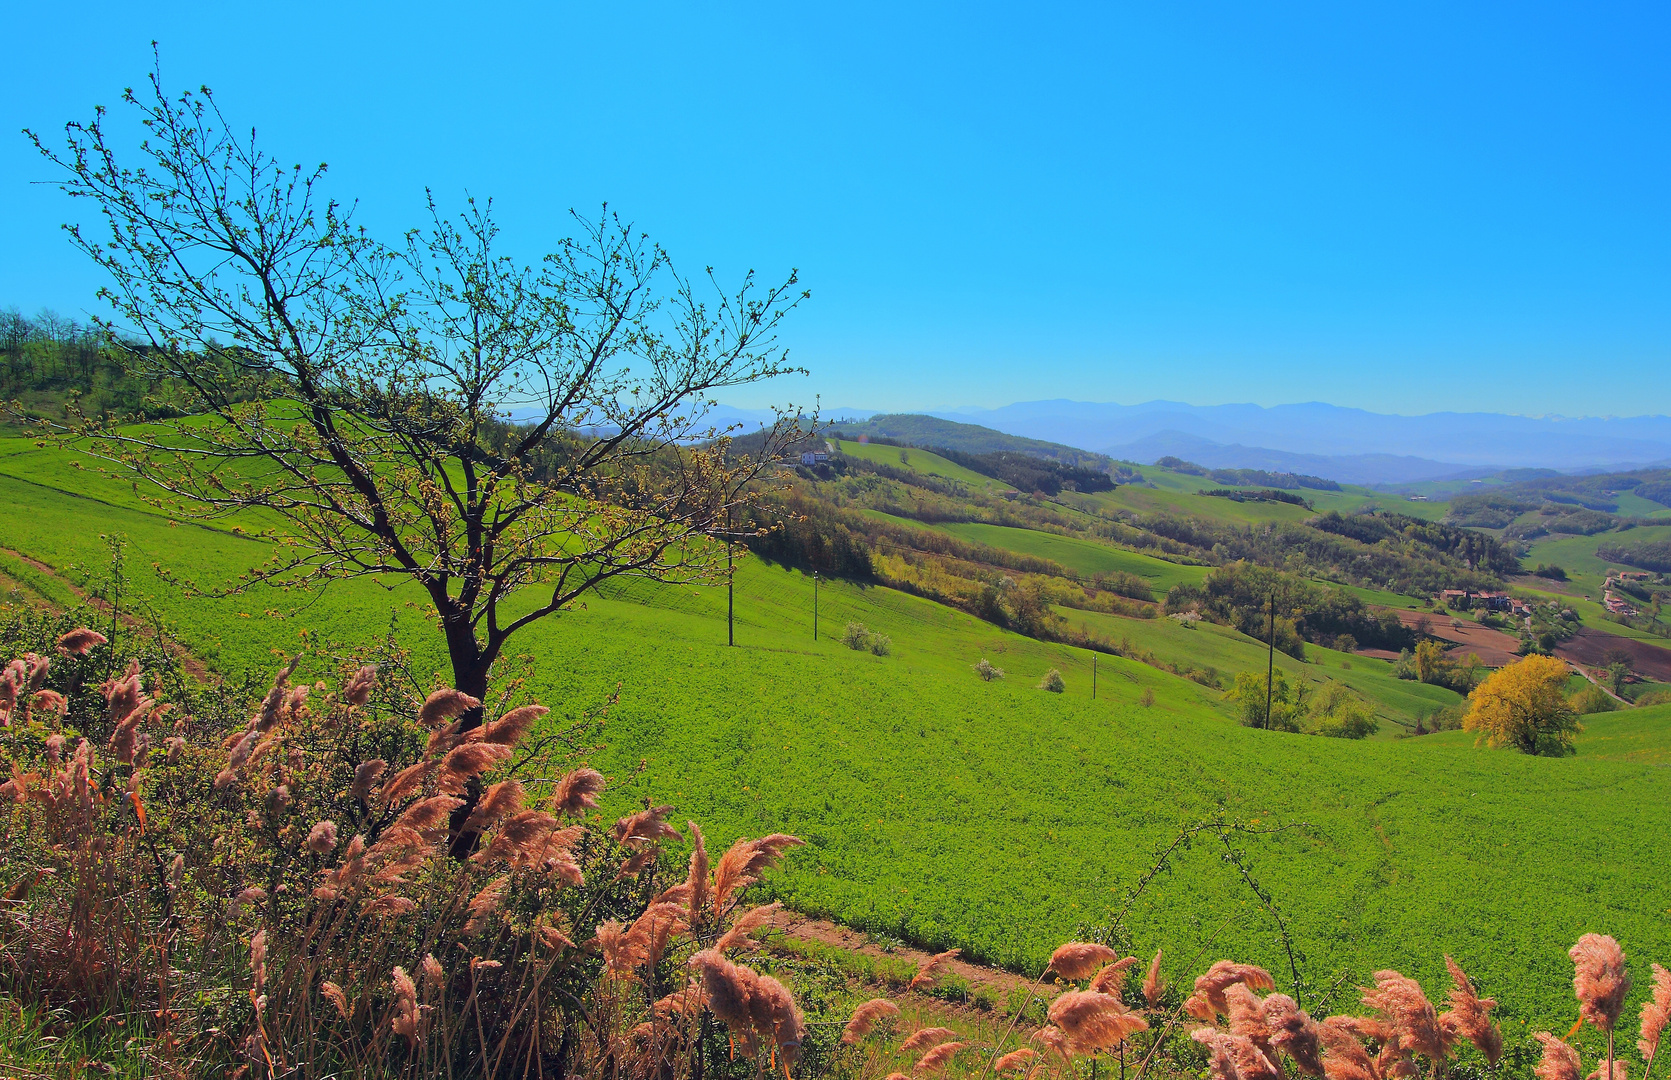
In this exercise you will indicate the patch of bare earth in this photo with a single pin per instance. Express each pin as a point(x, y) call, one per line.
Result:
point(191, 664)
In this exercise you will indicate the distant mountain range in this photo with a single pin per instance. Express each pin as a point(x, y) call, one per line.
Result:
point(1349, 445)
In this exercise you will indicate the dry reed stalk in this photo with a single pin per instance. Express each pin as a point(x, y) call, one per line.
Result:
point(444, 705)
point(1656, 1012)
point(1560, 1061)
point(1295, 1033)
point(1207, 1003)
point(924, 1038)
point(1093, 1021)
point(577, 792)
point(81, 641)
point(1470, 1016)
point(938, 1058)
point(1015, 1059)
point(1154, 987)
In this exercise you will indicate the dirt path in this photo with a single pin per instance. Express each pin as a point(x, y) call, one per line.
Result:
point(191, 664)
point(996, 980)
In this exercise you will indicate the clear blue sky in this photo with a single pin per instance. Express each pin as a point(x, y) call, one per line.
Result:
point(1401, 207)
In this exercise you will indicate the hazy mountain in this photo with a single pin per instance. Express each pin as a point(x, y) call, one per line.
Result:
point(1477, 440)
point(1345, 468)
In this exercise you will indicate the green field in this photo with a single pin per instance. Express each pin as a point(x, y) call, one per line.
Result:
point(920, 461)
point(994, 816)
point(1086, 557)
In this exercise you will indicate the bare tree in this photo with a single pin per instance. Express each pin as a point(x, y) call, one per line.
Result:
point(429, 411)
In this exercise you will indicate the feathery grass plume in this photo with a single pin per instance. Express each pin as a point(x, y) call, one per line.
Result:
point(726, 988)
point(746, 924)
point(124, 740)
point(1207, 1002)
point(1620, 1072)
point(866, 1017)
point(1154, 987)
point(249, 897)
point(923, 1038)
point(685, 1003)
point(1055, 1042)
point(428, 815)
point(1470, 1016)
point(464, 762)
point(520, 839)
point(442, 739)
point(121, 694)
point(50, 701)
point(1112, 978)
point(1079, 959)
point(1015, 1059)
point(777, 1018)
point(322, 837)
point(697, 879)
point(1247, 1015)
point(744, 862)
point(359, 688)
point(497, 801)
point(331, 992)
point(406, 781)
point(1094, 1021)
point(272, 706)
point(1560, 1061)
point(620, 951)
point(80, 641)
point(1222, 1064)
point(366, 775)
point(1344, 1056)
point(38, 668)
point(928, 972)
point(645, 827)
point(484, 904)
point(653, 929)
point(1599, 979)
point(445, 704)
point(509, 729)
point(1295, 1033)
point(937, 1059)
point(258, 958)
point(1402, 1004)
point(405, 1020)
point(1656, 1012)
point(577, 792)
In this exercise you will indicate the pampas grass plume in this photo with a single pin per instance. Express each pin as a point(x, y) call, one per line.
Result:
point(1154, 987)
point(445, 704)
point(577, 792)
point(1079, 959)
point(1015, 1059)
point(331, 992)
point(938, 1058)
point(1599, 979)
point(924, 1038)
point(322, 837)
point(928, 972)
point(866, 1017)
point(509, 729)
point(80, 641)
point(358, 690)
point(1560, 1061)
point(1656, 1011)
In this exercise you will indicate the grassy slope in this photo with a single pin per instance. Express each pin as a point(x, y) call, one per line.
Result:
point(1086, 556)
point(920, 461)
point(1004, 819)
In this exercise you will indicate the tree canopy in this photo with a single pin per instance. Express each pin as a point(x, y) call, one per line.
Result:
point(1524, 705)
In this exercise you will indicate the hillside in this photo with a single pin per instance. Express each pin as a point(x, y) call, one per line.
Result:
point(991, 815)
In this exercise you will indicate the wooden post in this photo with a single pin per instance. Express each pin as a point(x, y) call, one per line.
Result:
point(815, 605)
point(1093, 676)
point(730, 587)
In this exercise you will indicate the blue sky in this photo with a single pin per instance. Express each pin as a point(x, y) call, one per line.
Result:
point(1406, 207)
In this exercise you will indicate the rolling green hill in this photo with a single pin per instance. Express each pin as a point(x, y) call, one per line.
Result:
point(994, 816)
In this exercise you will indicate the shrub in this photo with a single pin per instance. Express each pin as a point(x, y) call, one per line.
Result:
point(987, 671)
point(1524, 705)
point(1592, 699)
point(1052, 682)
point(286, 895)
point(881, 644)
point(1654, 697)
point(1147, 698)
point(856, 637)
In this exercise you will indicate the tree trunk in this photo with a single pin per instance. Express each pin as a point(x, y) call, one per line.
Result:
point(470, 671)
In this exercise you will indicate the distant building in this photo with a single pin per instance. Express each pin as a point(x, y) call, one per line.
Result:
point(810, 458)
point(1464, 599)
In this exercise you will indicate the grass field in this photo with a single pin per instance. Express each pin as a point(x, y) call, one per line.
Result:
point(917, 460)
point(994, 816)
point(1084, 556)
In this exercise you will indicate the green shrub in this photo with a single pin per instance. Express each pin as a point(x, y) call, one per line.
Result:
point(1592, 699)
point(881, 644)
point(1052, 682)
point(856, 637)
point(988, 671)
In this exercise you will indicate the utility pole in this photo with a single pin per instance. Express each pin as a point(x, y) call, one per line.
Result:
point(1270, 658)
point(1093, 676)
point(815, 605)
point(730, 587)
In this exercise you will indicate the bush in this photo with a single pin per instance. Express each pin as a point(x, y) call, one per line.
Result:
point(1052, 682)
point(1552, 572)
point(987, 671)
point(283, 893)
point(1654, 697)
point(856, 637)
point(1147, 698)
point(1592, 699)
point(881, 644)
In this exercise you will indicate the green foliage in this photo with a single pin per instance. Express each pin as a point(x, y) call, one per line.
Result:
point(1550, 571)
point(1653, 555)
point(1241, 595)
point(1592, 699)
point(1053, 682)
